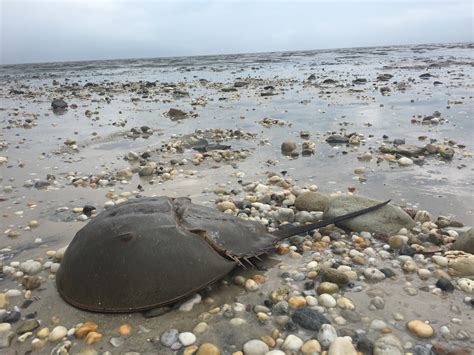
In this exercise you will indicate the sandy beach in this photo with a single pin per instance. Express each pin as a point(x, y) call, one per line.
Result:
point(278, 138)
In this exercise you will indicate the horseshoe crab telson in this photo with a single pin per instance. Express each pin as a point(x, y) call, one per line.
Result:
point(151, 252)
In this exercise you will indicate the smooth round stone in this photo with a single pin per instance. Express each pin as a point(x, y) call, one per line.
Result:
point(424, 274)
point(276, 352)
point(251, 285)
point(187, 338)
point(292, 343)
point(404, 161)
point(396, 241)
point(378, 324)
point(255, 347)
point(311, 301)
point(420, 328)
point(440, 260)
point(297, 301)
point(311, 347)
point(237, 321)
point(466, 285)
point(345, 303)
point(208, 349)
point(169, 337)
point(342, 346)
point(57, 333)
point(326, 300)
point(326, 335)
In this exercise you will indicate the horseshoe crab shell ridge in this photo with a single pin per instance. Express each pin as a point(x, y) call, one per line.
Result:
point(150, 252)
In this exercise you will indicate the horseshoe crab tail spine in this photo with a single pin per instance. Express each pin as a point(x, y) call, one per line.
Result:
point(285, 233)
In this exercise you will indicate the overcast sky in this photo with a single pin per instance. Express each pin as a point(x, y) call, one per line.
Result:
point(64, 30)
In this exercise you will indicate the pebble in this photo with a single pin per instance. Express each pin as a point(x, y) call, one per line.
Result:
point(169, 337)
point(292, 343)
point(445, 285)
point(372, 274)
point(43, 333)
point(404, 161)
point(208, 349)
point(57, 333)
point(6, 335)
point(345, 303)
point(93, 337)
point(327, 287)
point(326, 300)
point(28, 326)
point(85, 329)
point(297, 301)
point(326, 335)
point(251, 285)
point(342, 346)
point(309, 319)
point(187, 338)
point(189, 304)
point(30, 267)
point(255, 347)
point(116, 341)
point(420, 328)
point(311, 347)
point(388, 344)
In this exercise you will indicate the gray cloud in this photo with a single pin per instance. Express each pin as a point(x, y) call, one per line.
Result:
point(39, 31)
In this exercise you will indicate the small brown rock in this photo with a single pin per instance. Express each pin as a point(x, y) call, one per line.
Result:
point(208, 349)
point(93, 337)
point(85, 329)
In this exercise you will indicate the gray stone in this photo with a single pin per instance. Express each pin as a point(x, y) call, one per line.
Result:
point(309, 319)
point(169, 337)
point(465, 241)
point(388, 344)
point(326, 335)
point(288, 147)
point(388, 219)
point(311, 201)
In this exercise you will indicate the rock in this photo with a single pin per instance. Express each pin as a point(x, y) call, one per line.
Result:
point(311, 201)
point(326, 335)
point(287, 147)
point(85, 329)
point(176, 114)
point(4, 300)
point(125, 330)
point(189, 304)
point(116, 341)
point(463, 266)
point(374, 275)
point(226, 205)
point(6, 335)
point(251, 285)
point(93, 337)
point(208, 349)
point(59, 104)
point(342, 346)
point(466, 285)
point(297, 301)
point(255, 347)
point(345, 303)
point(292, 343)
point(169, 337)
point(446, 152)
point(388, 344)
point(309, 319)
point(326, 300)
point(31, 282)
point(30, 267)
point(335, 276)
point(200, 328)
point(420, 328)
point(387, 220)
point(404, 161)
point(327, 287)
point(285, 215)
point(445, 285)
point(311, 347)
point(337, 139)
point(57, 333)
point(62, 348)
point(187, 338)
point(465, 241)
point(28, 326)
point(410, 150)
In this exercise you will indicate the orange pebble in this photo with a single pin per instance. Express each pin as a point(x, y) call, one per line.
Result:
point(85, 329)
point(93, 337)
point(125, 329)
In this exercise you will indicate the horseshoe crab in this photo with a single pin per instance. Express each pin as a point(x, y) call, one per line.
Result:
point(150, 252)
